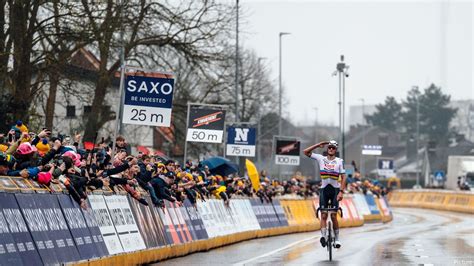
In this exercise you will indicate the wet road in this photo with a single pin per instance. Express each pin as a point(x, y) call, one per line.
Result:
point(414, 237)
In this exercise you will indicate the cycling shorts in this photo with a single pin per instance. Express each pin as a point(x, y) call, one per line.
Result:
point(326, 194)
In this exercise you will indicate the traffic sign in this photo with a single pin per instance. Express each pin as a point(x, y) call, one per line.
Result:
point(439, 175)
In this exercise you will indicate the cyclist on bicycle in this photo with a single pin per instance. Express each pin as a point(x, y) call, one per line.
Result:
point(331, 168)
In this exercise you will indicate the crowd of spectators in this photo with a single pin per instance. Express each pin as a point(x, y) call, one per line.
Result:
point(83, 167)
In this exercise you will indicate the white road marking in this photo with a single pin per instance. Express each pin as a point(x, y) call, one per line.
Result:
point(274, 251)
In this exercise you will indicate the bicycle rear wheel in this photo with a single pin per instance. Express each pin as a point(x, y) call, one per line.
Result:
point(329, 243)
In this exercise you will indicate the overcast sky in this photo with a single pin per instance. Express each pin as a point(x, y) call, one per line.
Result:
point(390, 46)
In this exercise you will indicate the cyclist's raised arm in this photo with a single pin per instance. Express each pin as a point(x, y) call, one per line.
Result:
point(308, 150)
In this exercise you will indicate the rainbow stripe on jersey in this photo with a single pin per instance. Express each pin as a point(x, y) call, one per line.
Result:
point(325, 174)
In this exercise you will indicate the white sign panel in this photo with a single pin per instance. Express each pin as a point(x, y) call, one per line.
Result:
point(106, 226)
point(124, 221)
point(372, 150)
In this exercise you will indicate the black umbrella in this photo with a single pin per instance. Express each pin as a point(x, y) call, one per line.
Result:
point(221, 166)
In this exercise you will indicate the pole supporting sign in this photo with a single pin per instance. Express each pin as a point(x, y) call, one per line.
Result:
point(148, 99)
point(287, 151)
point(241, 141)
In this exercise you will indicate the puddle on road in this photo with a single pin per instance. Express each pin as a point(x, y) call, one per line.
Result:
point(457, 246)
point(389, 252)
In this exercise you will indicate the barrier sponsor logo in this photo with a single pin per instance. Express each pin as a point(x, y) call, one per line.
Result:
point(105, 224)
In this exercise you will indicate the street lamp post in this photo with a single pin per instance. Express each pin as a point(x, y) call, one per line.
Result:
point(362, 158)
point(237, 63)
point(417, 138)
point(280, 93)
point(280, 89)
point(343, 72)
point(259, 113)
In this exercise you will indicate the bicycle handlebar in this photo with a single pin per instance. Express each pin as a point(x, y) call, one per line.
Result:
point(328, 210)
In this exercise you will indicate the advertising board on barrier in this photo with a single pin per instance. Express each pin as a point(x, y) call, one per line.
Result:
point(361, 204)
point(159, 217)
point(179, 222)
point(9, 253)
point(384, 207)
point(105, 224)
point(124, 222)
point(48, 228)
point(205, 124)
point(94, 229)
point(78, 227)
point(241, 141)
point(183, 215)
point(280, 213)
point(152, 230)
point(148, 99)
point(372, 205)
point(287, 152)
point(20, 236)
point(196, 220)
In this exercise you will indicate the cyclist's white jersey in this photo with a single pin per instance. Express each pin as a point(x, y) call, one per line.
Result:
point(329, 170)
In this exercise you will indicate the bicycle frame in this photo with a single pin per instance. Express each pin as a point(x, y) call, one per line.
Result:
point(329, 227)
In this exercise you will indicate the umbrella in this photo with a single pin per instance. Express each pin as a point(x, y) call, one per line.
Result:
point(221, 166)
point(253, 174)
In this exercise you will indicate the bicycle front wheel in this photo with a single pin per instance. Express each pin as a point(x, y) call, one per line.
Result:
point(329, 243)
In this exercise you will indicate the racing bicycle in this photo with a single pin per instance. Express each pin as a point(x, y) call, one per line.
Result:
point(330, 243)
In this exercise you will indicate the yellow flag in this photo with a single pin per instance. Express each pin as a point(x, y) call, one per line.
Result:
point(253, 174)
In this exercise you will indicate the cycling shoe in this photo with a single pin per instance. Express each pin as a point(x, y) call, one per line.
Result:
point(323, 241)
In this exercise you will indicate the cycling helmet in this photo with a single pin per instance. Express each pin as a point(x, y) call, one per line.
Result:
point(333, 143)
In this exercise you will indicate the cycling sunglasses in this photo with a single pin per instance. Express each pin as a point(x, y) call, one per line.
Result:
point(332, 147)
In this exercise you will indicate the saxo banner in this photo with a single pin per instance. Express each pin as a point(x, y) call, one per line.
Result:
point(148, 99)
point(205, 124)
point(287, 152)
point(241, 141)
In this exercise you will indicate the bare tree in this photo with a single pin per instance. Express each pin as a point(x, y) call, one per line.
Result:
point(186, 27)
point(63, 37)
